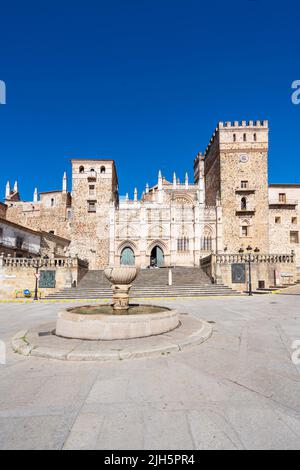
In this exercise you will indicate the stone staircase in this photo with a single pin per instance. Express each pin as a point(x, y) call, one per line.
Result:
point(187, 282)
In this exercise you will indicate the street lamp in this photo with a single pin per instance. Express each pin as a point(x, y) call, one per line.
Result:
point(38, 264)
point(249, 261)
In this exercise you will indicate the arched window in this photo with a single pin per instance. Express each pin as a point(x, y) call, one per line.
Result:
point(102, 170)
point(234, 137)
point(81, 169)
point(255, 137)
point(52, 202)
point(243, 203)
point(245, 137)
point(92, 170)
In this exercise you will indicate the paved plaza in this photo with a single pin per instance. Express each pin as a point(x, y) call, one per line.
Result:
point(238, 390)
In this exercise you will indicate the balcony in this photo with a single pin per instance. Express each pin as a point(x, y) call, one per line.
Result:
point(245, 190)
point(284, 203)
point(247, 211)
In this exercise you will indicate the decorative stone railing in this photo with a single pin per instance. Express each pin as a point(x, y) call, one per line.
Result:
point(56, 263)
point(254, 258)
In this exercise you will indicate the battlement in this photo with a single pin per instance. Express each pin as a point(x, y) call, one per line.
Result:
point(236, 125)
point(243, 124)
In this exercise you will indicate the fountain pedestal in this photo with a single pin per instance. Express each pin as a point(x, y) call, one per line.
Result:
point(120, 300)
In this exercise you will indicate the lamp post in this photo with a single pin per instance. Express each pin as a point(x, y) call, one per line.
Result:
point(249, 261)
point(38, 264)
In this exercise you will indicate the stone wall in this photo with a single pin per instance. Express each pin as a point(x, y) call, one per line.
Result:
point(3, 209)
point(274, 270)
point(18, 274)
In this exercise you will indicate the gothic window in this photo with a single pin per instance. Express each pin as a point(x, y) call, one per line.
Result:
point(243, 203)
point(183, 244)
point(102, 170)
point(81, 169)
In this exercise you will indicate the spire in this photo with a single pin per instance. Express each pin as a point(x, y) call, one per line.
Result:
point(174, 180)
point(186, 180)
point(7, 190)
point(35, 195)
point(16, 189)
point(126, 197)
point(65, 183)
point(160, 181)
point(135, 194)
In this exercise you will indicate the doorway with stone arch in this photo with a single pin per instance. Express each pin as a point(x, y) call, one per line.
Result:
point(127, 257)
point(157, 257)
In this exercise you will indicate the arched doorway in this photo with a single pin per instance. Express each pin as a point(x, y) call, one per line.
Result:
point(157, 257)
point(127, 257)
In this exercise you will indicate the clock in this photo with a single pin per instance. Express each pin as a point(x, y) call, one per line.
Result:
point(244, 158)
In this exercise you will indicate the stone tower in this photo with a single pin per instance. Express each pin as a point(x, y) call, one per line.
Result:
point(236, 171)
point(94, 192)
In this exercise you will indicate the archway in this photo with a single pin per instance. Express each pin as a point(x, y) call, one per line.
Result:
point(157, 257)
point(127, 257)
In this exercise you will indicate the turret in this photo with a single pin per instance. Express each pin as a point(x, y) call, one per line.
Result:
point(16, 189)
point(135, 194)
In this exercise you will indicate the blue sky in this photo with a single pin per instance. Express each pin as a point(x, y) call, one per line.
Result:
point(142, 82)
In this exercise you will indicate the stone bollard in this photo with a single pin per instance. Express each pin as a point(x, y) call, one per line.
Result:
point(170, 277)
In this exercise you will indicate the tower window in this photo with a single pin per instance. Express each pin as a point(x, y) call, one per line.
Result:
point(81, 169)
point(92, 190)
point(282, 197)
point(277, 220)
point(102, 170)
point(244, 184)
point(243, 203)
point(92, 206)
point(52, 202)
point(254, 137)
point(294, 220)
point(294, 237)
point(234, 137)
point(244, 137)
point(245, 231)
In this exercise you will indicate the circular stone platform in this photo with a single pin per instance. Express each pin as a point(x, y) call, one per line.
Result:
point(42, 342)
point(88, 323)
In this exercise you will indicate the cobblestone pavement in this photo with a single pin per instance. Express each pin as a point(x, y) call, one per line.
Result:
point(238, 390)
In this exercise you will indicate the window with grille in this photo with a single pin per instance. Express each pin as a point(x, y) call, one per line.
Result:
point(206, 243)
point(183, 244)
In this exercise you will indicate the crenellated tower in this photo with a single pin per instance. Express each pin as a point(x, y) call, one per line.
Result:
point(236, 169)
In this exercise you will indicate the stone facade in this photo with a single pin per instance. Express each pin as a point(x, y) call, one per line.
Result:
point(227, 208)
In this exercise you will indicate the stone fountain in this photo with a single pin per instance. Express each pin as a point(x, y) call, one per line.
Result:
point(120, 320)
point(121, 279)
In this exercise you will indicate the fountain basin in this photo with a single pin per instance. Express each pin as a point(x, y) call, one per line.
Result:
point(100, 323)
